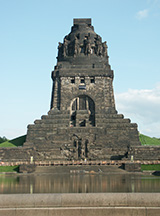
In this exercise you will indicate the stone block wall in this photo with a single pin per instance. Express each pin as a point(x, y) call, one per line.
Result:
point(16, 154)
point(102, 99)
point(132, 167)
point(145, 153)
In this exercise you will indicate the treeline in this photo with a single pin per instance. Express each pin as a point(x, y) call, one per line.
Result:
point(3, 139)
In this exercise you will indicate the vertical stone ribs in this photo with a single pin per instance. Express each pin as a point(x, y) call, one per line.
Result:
point(108, 93)
point(56, 92)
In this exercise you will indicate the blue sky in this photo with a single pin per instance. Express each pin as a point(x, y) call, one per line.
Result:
point(29, 34)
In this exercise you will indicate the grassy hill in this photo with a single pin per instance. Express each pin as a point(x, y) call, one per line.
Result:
point(14, 142)
point(146, 140)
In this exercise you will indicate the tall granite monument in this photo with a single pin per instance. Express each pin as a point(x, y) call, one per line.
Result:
point(82, 122)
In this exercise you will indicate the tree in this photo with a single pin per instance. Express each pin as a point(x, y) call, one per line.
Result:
point(3, 139)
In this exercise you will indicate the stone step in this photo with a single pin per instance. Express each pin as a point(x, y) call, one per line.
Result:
point(47, 127)
point(61, 115)
point(116, 125)
point(52, 121)
point(108, 116)
point(109, 120)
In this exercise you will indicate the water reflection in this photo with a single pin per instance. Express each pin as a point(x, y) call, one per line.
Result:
point(77, 183)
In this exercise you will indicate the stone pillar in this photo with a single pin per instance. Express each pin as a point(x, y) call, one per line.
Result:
point(77, 103)
point(108, 93)
point(55, 94)
point(55, 101)
point(87, 104)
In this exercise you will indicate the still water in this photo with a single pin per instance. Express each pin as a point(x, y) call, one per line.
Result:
point(78, 183)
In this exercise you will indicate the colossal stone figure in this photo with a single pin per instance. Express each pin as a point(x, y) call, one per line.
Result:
point(87, 46)
point(76, 46)
point(105, 49)
point(65, 47)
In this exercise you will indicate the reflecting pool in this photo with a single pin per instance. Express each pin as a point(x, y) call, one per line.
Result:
point(78, 183)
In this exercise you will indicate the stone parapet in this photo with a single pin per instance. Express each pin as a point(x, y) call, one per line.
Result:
point(113, 204)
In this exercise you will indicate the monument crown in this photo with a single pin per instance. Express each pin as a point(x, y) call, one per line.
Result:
point(82, 42)
point(81, 20)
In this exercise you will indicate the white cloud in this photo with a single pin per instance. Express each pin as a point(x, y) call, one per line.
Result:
point(143, 107)
point(142, 14)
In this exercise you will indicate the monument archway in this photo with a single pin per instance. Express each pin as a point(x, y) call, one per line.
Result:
point(82, 110)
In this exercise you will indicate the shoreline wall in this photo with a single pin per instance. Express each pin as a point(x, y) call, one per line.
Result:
point(113, 204)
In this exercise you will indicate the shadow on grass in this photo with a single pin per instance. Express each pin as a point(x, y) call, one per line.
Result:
point(16, 169)
point(9, 168)
point(156, 173)
point(18, 141)
point(14, 142)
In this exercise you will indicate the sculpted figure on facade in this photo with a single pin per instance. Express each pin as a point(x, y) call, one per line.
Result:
point(87, 46)
point(76, 46)
point(98, 45)
point(65, 47)
point(60, 46)
point(105, 47)
point(98, 48)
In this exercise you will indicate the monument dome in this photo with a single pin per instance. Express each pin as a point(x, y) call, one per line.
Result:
point(82, 45)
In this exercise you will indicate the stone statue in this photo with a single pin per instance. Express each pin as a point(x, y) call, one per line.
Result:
point(76, 46)
point(105, 49)
point(99, 48)
point(87, 46)
point(98, 45)
point(65, 47)
point(60, 45)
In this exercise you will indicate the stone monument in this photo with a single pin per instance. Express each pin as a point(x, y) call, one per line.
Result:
point(82, 122)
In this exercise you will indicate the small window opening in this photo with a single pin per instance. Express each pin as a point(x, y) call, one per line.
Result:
point(72, 80)
point(92, 80)
point(82, 80)
point(82, 123)
point(93, 66)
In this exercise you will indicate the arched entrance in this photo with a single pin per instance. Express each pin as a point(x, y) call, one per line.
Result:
point(82, 111)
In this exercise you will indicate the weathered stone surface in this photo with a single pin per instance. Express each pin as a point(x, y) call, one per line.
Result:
point(80, 200)
point(132, 167)
point(145, 153)
point(27, 168)
point(114, 204)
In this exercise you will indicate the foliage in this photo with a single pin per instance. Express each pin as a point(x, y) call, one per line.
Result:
point(3, 139)
point(9, 168)
point(150, 167)
point(14, 142)
point(146, 140)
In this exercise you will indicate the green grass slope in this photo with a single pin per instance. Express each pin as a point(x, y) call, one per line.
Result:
point(14, 142)
point(146, 140)
point(155, 167)
point(9, 169)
